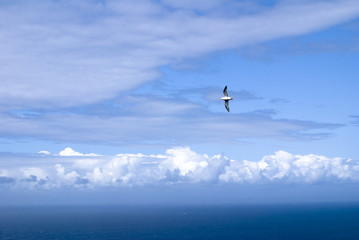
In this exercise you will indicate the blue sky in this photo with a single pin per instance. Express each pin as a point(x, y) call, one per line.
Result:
point(116, 95)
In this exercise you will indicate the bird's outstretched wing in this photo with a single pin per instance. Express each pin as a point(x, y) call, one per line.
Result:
point(225, 91)
point(226, 105)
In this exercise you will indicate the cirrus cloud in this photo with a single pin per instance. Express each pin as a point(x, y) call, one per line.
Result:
point(66, 53)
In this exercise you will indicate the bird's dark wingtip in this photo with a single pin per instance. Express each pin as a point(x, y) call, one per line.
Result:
point(225, 91)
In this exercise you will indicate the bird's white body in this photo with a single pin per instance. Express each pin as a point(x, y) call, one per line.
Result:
point(227, 98)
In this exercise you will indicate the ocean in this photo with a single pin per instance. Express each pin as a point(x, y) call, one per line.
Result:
point(275, 221)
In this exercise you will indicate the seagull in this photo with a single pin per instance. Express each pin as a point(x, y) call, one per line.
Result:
point(226, 98)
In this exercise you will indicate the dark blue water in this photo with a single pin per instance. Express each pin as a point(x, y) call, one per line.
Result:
point(336, 221)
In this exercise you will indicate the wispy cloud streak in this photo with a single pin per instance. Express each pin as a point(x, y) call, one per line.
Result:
point(66, 53)
point(174, 123)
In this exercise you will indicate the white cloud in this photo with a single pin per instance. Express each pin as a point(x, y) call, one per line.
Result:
point(289, 168)
point(180, 166)
point(44, 152)
point(3, 172)
point(63, 178)
point(34, 171)
point(86, 164)
point(69, 152)
point(70, 58)
point(188, 164)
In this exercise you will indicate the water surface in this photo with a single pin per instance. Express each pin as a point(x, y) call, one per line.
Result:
point(295, 221)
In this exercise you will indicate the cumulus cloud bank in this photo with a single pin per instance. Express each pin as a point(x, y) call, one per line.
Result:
point(176, 166)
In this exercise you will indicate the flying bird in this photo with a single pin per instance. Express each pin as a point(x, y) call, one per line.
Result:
point(226, 98)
